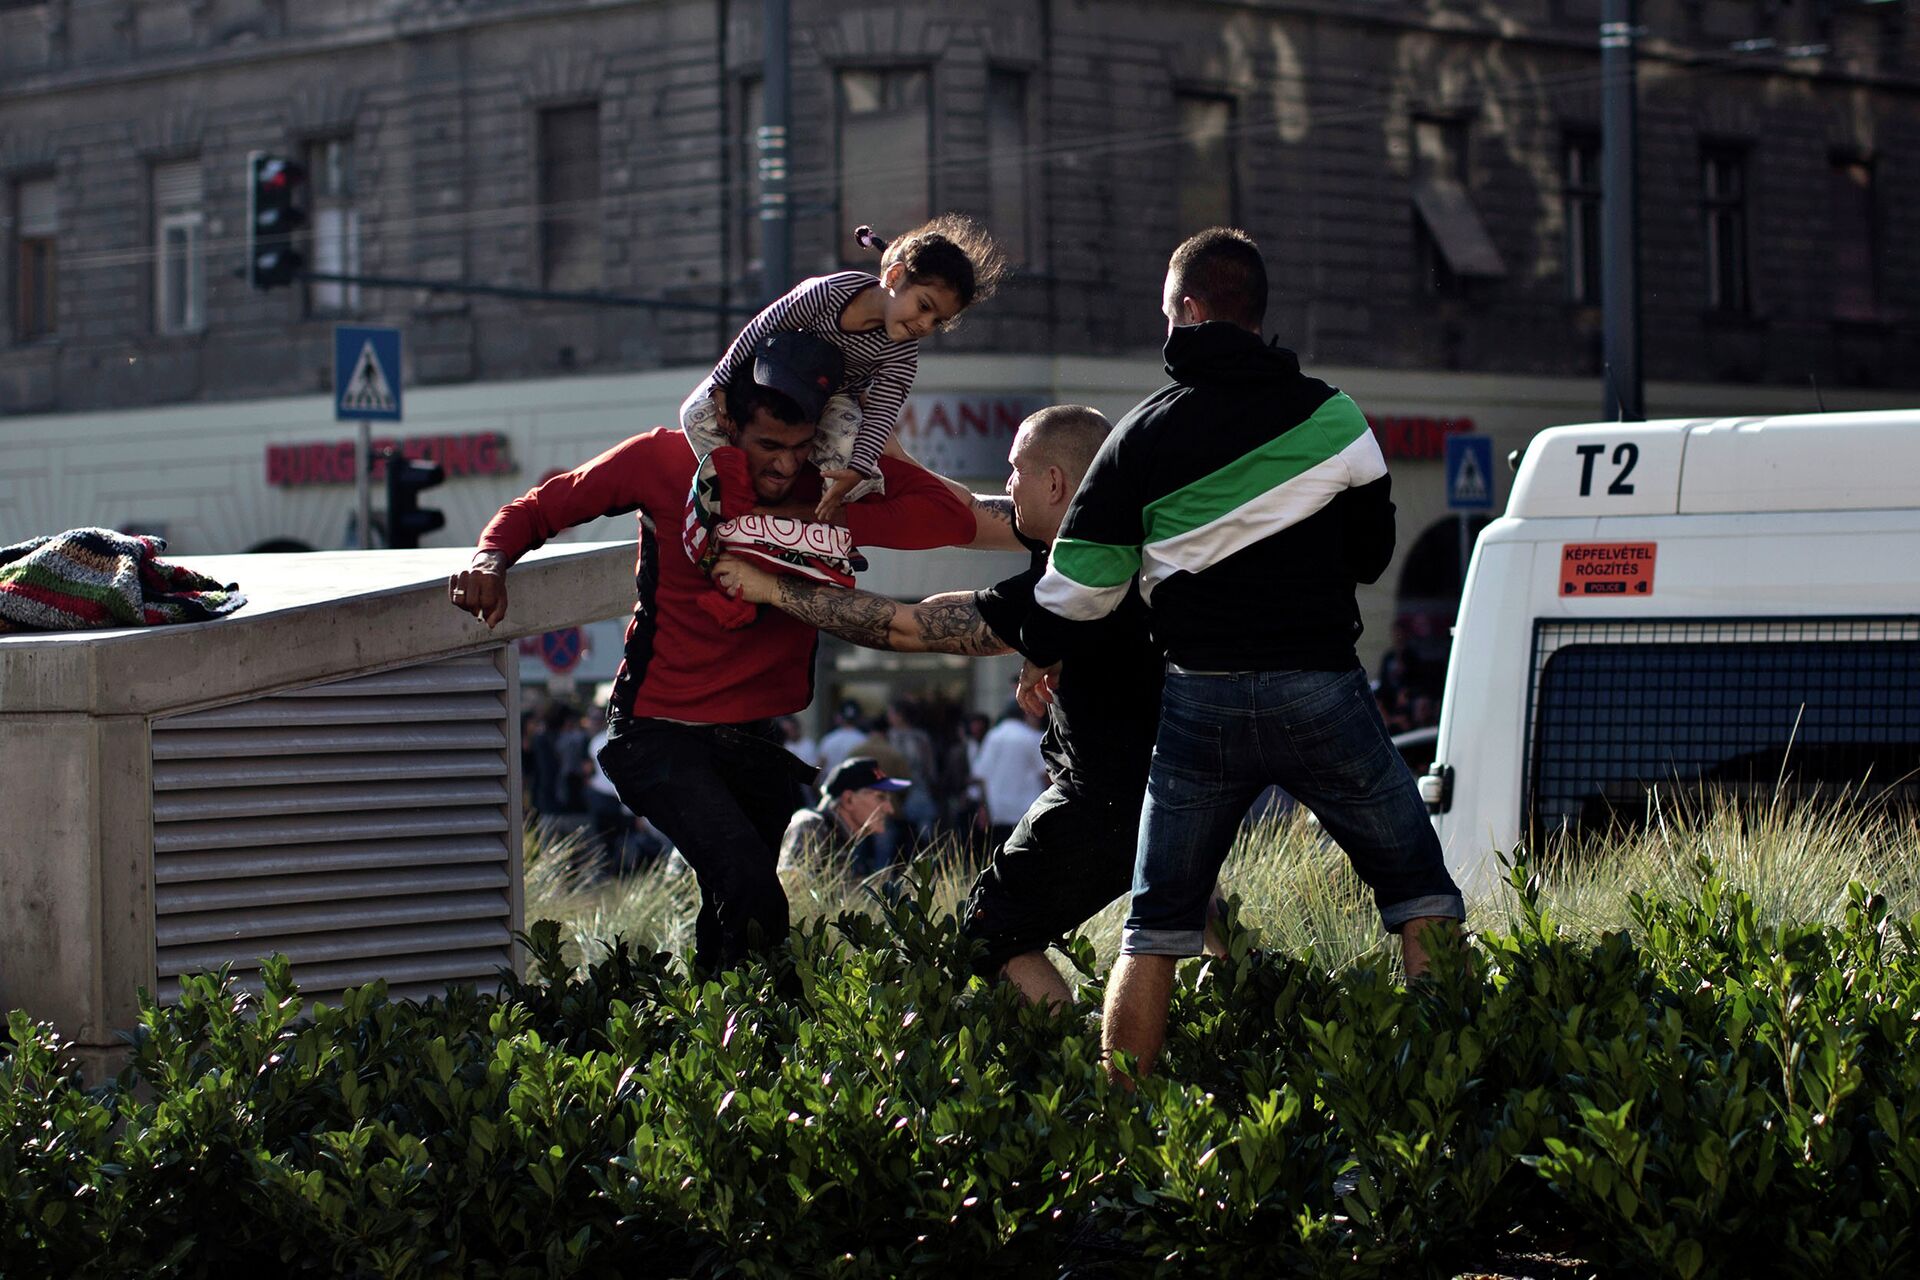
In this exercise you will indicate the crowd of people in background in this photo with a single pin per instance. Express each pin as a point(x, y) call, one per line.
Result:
point(971, 779)
point(972, 776)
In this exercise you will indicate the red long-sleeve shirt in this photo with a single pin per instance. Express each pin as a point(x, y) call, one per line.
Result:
point(680, 664)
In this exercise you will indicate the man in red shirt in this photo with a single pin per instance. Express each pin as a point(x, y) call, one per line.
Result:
point(692, 744)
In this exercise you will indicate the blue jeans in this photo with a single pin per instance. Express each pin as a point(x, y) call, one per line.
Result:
point(1224, 738)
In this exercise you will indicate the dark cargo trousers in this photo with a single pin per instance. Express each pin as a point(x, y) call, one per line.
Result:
point(723, 795)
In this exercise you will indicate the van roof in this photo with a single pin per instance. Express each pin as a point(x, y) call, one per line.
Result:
point(1702, 466)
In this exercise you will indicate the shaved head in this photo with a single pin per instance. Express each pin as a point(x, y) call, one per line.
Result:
point(1065, 436)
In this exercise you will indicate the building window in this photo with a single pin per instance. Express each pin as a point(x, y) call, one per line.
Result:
point(180, 260)
point(886, 143)
point(1855, 240)
point(1451, 244)
point(1723, 178)
point(1580, 196)
point(1204, 169)
point(336, 227)
point(750, 116)
point(37, 217)
point(569, 160)
point(1009, 165)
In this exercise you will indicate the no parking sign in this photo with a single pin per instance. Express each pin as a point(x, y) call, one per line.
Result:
point(562, 650)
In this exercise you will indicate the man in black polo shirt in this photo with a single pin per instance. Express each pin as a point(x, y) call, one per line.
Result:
point(1072, 853)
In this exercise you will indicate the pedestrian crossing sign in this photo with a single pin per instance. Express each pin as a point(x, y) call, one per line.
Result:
point(366, 373)
point(1469, 473)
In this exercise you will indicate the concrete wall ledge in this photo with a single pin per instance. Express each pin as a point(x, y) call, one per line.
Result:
point(372, 619)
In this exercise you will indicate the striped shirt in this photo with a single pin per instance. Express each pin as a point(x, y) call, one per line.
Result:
point(879, 370)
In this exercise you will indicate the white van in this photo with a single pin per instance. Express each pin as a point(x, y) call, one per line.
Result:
point(1683, 603)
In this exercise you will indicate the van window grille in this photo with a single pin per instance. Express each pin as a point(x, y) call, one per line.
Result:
point(1739, 706)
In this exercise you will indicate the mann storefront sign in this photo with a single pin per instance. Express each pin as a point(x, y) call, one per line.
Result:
point(322, 462)
point(966, 436)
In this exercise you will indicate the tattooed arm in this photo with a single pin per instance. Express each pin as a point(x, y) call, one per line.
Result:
point(949, 623)
point(993, 518)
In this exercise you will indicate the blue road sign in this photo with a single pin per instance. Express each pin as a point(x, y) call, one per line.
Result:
point(562, 650)
point(1469, 473)
point(366, 373)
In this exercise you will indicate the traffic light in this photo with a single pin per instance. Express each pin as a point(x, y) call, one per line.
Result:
point(407, 520)
point(275, 210)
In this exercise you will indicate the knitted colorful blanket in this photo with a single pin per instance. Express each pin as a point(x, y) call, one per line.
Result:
point(91, 579)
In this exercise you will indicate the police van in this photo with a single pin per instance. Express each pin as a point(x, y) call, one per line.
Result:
point(1726, 605)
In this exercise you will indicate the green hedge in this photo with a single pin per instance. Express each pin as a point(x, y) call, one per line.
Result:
point(1708, 1097)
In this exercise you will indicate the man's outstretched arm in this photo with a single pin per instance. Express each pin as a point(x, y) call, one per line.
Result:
point(608, 485)
point(949, 623)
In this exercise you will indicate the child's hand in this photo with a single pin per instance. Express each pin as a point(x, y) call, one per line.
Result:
point(840, 482)
point(720, 418)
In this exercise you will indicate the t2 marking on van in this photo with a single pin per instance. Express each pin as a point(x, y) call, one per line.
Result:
point(1625, 455)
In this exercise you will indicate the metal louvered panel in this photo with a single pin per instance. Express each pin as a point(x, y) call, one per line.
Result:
point(313, 859)
point(360, 827)
point(216, 803)
point(475, 674)
point(286, 712)
point(287, 922)
point(370, 950)
point(189, 775)
point(348, 887)
point(240, 832)
point(202, 744)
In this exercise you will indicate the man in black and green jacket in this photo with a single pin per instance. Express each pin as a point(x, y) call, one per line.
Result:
point(1247, 499)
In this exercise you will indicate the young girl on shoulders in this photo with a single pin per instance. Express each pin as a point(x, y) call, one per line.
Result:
point(928, 276)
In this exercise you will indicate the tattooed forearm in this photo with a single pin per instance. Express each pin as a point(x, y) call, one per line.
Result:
point(993, 507)
point(952, 624)
point(859, 617)
point(941, 624)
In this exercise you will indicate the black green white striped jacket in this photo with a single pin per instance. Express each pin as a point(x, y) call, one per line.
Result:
point(1247, 497)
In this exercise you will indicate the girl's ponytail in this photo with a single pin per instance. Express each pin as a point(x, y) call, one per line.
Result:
point(952, 249)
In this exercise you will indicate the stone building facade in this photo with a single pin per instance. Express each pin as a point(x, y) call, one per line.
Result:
point(1422, 173)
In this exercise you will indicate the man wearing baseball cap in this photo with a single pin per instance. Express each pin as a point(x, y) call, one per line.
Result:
point(856, 801)
point(692, 740)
